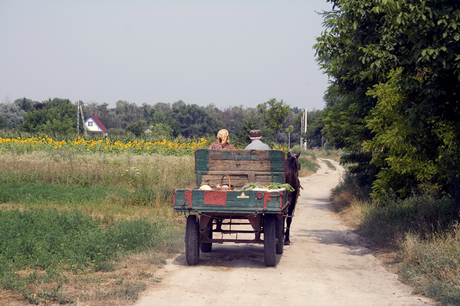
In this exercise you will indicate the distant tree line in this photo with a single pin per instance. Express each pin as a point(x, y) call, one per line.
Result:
point(59, 116)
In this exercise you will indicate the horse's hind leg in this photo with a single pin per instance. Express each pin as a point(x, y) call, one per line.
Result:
point(288, 223)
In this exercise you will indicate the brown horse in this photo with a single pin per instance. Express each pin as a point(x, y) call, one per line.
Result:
point(291, 176)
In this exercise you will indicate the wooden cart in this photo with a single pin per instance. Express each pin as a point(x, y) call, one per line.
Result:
point(213, 214)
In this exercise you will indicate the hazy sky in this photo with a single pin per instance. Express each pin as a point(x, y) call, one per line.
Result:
point(228, 53)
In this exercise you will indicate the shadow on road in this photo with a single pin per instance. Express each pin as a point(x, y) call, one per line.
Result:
point(226, 256)
point(343, 238)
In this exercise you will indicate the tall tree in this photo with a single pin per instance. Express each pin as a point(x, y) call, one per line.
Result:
point(12, 114)
point(3, 123)
point(274, 114)
point(409, 50)
point(25, 104)
point(194, 121)
point(350, 26)
point(126, 113)
point(232, 118)
point(422, 43)
point(137, 128)
point(146, 112)
point(314, 128)
point(250, 120)
point(56, 116)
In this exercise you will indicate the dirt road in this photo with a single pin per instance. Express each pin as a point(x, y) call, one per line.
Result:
point(326, 264)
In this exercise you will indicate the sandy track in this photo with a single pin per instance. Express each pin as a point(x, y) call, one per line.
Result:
point(326, 264)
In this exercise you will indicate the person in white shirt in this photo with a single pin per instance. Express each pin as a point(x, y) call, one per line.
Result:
point(256, 143)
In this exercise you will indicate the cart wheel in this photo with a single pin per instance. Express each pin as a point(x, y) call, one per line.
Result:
point(192, 231)
point(270, 240)
point(279, 234)
point(207, 246)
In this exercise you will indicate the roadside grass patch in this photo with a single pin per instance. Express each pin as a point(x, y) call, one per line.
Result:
point(308, 159)
point(308, 165)
point(329, 164)
point(70, 240)
point(89, 198)
point(422, 231)
point(432, 264)
point(42, 193)
point(387, 224)
point(329, 153)
point(348, 192)
point(318, 152)
point(43, 246)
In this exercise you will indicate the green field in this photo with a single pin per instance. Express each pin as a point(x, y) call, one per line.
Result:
point(77, 219)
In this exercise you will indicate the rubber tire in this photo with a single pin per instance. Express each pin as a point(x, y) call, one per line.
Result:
point(192, 234)
point(207, 246)
point(270, 240)
point(279, 235)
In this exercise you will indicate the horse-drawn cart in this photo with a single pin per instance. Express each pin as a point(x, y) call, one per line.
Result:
point(219, 215)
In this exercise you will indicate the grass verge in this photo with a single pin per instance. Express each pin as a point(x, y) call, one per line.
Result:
point(421, 232)
point(432, 265)
point(45, 252)
point(308, 159)
point(90, 228)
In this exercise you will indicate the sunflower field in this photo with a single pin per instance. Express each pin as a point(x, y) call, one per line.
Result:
point(107, 145)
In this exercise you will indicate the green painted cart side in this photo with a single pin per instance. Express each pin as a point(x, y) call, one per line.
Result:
point(212, 212)
point(232, 202)
point(260, 167)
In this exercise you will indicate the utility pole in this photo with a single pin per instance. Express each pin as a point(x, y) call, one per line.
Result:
point(82, 118)
point(303, 129)
point(80, 112)
point(78, 116)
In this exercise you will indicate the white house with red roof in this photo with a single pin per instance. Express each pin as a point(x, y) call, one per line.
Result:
point(93, 124)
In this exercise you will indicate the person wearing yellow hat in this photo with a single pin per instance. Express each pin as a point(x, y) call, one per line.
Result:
point(222, 141)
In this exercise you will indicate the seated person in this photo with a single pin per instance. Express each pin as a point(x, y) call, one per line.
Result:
point(256, 143)
point(222, 141)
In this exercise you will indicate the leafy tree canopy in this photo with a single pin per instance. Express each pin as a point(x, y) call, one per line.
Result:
point(56, 116)
point(25, 104)
point(161, 130)
point(137, 128)
point(394, 101)
point(194, 120)
point(3, 123)
point(12, 114)
point(274, 114)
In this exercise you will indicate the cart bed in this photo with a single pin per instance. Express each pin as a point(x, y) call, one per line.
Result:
point(213, 167)
point(212, 214)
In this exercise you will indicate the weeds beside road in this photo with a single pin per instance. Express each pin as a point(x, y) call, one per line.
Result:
point(420, 234)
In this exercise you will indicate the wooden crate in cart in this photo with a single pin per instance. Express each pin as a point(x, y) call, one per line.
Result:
point(213, 214)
